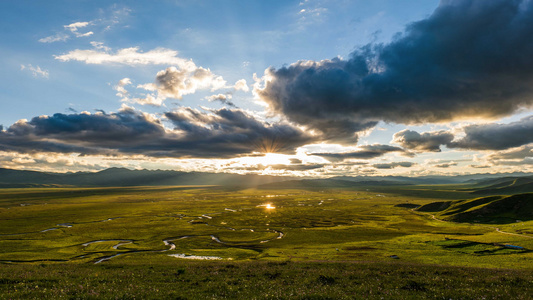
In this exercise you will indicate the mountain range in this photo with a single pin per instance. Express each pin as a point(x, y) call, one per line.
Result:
point(477, 183)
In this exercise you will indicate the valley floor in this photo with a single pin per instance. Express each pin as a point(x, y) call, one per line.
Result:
point(195, 242)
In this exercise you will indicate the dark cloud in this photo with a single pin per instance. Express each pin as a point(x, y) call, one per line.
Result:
point(446, 165)
point(516, 153)
point(222, 98)
point(480, 166)
point(496, 136)
point(469, 58)
point(393, 165)
point(295, 161)
point(214, 134)
point(236, 131)
point(366, 152)
point(427, 141)
point(491, 136)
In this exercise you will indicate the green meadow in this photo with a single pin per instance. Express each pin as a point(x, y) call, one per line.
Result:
point(212, 242)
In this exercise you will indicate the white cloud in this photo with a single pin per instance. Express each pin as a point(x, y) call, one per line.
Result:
point(144, 100)
point(182, 78)
point(75, 26)
point(218, 97)
point(128, 56)
point(36, 71)
point(176, 82)
point(72, 29)
point(100, 46)
point(149, 100)
point(112, 18)
point(60, 37)
point(241, 85)
point(121, 90)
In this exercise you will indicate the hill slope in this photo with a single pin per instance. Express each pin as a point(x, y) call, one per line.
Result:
point(504, 186)
point(494, 209)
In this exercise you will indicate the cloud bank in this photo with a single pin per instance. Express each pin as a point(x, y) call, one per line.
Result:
point(219, 133)
point(469, 59)
point(492, 136)
point(364, 152)
point(425, 142)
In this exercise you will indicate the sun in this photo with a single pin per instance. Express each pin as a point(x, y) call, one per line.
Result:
point(267, 160)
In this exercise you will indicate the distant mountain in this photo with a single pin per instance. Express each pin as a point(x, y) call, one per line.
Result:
point(401, 180)
point(126, 177)
point(327, 183)
point(474, 179)
point(493, 209)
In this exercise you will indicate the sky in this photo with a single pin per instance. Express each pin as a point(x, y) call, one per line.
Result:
point(311, 88)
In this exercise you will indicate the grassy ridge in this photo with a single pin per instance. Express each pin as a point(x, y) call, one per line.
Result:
point(493, 209)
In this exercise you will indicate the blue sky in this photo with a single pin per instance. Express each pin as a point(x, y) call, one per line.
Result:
point(234, 76)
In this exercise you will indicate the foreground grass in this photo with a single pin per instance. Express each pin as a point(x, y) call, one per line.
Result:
point(177, 279)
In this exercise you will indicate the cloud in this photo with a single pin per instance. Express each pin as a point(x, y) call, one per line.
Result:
point(75, 26)
point(235, 131)
point(496, 136)
point(296, 167)
point(241, 85)
point(365, 152)
point(214, 134)
point(404, 164)
point(35, 71)
point(148, 100)
point(310, 14)
point(60, 37)
point(222, 98)
point(480, 166)
point(121, 90)
point(492, 136)
point(72, 29)
point(295, 161)
point(427, 141)
point(113, 17)
point(174, 83)
point(182, 78)
point(446, 165)
point(514, 153)
point(128, 56)
point(469, 59)
point(100, 45)
point(519, 163)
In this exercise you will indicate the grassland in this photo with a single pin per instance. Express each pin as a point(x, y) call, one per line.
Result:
point(338, 243)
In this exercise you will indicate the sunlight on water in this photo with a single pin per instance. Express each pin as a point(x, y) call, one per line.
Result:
point(196, 257)
point(267, 206)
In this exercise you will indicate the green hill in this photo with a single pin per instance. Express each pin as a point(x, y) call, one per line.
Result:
point(505, 186)
point(493, 209)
